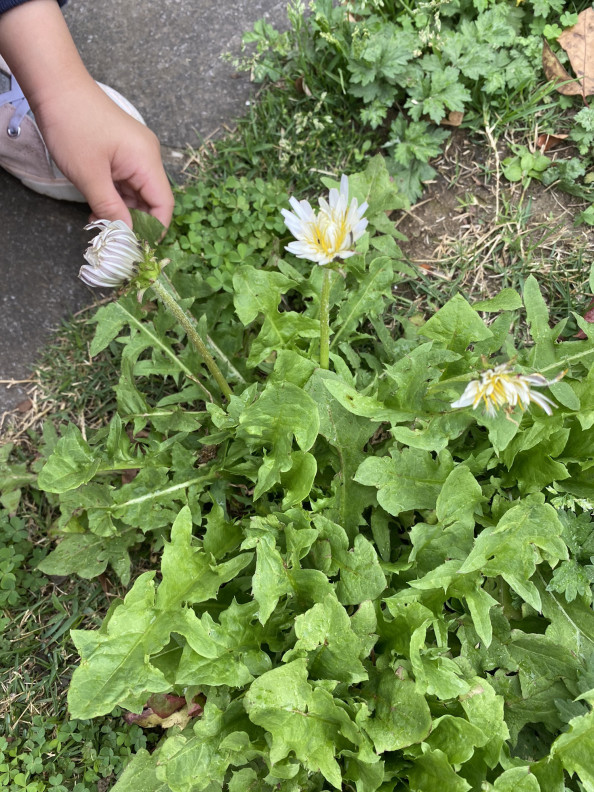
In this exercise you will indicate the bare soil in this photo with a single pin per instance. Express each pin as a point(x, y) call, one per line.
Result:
point(476, 233)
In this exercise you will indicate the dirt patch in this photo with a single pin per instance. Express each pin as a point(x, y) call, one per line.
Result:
point(476, 233)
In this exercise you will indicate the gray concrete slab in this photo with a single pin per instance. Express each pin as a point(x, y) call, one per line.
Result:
point(165, 56)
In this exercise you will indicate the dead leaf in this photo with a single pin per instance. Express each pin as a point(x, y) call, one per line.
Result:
point(578, 43)
point(166, 710)
point(556, 72)
point(24, 406)
point(454, 119)
point(129, 475)
point(207, 454)
point(165, 704)
point(302, 87)
point(546, 142)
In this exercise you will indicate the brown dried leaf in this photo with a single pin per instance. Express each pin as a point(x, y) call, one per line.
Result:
point(24, 406)
point(164, 704)
point(302, 87)
point(454, 119)
point(166, 710)
point(578, 43)
point(556, 72)
point(546, 142)
point(129, 475)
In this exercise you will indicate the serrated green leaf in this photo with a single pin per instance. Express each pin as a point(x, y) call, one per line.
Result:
point(571, 623)
point(510, 549)
point(110, 320)
point(270, 581)
point(301, 719)
point(348, 434)
point(373, 185)
point(401, 715)
point(299, 479)
point(456, 325)
point(575, 749)
point(365, 406)
point(537, 315)
point(325, 637)
point(227, 653)
point(541, 658)
point(409, 479)
point(88, 555)
point(282, 412)
point(77, 553)
point(116, 663)
point(518, 779)
point(281, 331)
point(432, 770)
point(257, 291)
point(361, 576)
point(367, 300)
point(141, 773)
point(456, 737)
point(221, 535)
point(484, 708)
point(71, 464)
point(435, 673)
point(198, 760)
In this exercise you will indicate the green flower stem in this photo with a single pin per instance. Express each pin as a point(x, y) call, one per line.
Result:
point(210, 344)
point(188, 325)
point(325, 320)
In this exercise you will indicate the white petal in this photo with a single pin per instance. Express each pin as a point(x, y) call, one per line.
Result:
point(543, 401)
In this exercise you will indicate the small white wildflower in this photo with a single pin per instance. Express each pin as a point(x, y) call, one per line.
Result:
point(500, 386)
point(112, 256)
point(330, 233)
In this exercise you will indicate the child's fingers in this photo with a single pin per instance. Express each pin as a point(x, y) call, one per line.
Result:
point(105, 201)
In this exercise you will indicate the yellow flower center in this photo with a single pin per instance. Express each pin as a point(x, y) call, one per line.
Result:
point(327, 234)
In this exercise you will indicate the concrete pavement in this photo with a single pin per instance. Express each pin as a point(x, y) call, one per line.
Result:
point(165, 56)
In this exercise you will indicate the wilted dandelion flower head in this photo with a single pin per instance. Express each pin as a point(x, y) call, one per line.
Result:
point(332, 232)
point(501, 387)
point(112, 256)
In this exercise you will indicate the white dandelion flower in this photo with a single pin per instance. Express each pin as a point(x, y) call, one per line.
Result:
point(332, 232)
point(500, 387)
point(112, 256)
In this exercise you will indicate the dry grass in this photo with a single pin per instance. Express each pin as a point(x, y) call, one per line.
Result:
point(475, 233)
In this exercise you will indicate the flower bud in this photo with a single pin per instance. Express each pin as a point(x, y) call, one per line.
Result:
point(112, 256)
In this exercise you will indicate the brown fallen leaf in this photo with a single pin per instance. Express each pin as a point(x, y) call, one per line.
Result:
point(546, 142)
point(453, 119)
point(24, 406)
point(556, 72)
point(129, 475)
point(166, 710)
point(578, 43)
point(302, 87)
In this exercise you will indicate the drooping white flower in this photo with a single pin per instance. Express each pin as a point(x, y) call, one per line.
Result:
point(112, 256)
point(499, 387)
point(332, 232)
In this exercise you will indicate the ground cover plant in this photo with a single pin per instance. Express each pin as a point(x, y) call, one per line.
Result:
point(334, 578)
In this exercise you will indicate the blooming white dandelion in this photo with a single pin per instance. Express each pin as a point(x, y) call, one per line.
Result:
point(332, 232)
point(112, 256)
point(499, 387)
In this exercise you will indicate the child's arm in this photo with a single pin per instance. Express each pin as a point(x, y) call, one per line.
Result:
point(113, 159)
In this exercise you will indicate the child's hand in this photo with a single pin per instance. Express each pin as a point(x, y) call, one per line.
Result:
point(113, 159)
point(110, 157)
